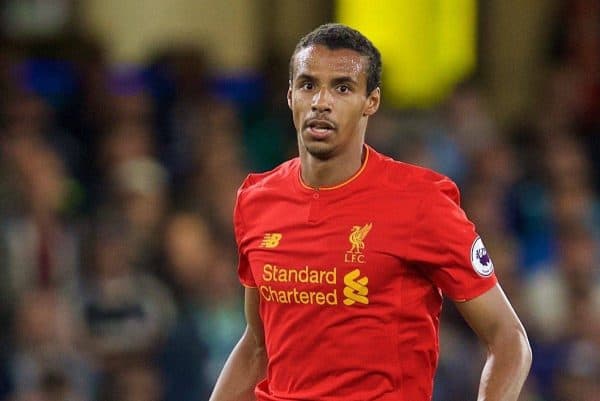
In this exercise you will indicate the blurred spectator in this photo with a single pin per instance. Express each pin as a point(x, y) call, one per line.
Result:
point(224, 169)
point(570, 183)
point(141, 197)
point(128, 126)
point(553, 289)
point(133, 182)
point(578, 378)
point(219, 168)
point(211, 318)
point(125, 142)
point(126, 312)
point(46, 363)
point(40, 246)
point(189, 114)
point(468, 118)
point(27, 114)
point(556, 297)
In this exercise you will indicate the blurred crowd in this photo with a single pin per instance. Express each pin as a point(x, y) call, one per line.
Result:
point(117, 184)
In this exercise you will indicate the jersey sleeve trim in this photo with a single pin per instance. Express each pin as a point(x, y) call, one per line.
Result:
point(473, 292)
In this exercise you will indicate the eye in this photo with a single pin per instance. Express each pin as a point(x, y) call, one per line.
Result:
point(343, 89)
point(307, 85)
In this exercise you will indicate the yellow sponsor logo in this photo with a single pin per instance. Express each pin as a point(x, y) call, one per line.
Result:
point(298, 275)
point(301, 281)
point(295, 296)
point(357, 243)
point(303, 275)
point(271, 240)
point(355, 289)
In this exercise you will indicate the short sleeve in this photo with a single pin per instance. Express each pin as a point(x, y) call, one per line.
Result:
point(447, 248)
point(244, 271)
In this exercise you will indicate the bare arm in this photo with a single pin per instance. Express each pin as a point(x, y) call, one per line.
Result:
point(247, 363)
point(509, 355)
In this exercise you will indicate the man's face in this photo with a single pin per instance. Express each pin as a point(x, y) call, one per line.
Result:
point(329, 101)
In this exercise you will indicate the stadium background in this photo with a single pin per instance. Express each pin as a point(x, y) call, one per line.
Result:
point(126, 127)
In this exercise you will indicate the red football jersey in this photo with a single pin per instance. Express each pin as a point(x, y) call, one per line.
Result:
point(351, 278)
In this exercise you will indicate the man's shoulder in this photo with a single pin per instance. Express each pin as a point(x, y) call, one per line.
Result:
point(412, 177)
point(277, 177)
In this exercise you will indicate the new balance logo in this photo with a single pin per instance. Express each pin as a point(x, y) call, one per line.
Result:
point(271, 240)
point(355, 289)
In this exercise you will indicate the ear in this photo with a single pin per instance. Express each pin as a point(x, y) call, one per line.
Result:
point(289, 95)
point(373, 101)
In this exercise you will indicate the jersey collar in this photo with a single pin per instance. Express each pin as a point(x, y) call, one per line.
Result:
point(360, 171)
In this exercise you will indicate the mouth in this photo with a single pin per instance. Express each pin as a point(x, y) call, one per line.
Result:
point(319, 128)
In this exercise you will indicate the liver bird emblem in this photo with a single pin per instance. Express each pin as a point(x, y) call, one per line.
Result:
point(357, 236)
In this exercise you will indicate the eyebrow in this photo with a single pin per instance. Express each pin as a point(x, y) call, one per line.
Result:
point(304, 77)
point(345, 80)
point(336, 81)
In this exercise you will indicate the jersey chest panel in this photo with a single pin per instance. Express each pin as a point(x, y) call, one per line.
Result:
point(350, 256)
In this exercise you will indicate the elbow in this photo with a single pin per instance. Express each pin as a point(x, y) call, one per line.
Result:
point(515, 345)
point(526, 350)
point(511, 345)
point(521, 343)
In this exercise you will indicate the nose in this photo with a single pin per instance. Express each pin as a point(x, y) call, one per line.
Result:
point(321, 101)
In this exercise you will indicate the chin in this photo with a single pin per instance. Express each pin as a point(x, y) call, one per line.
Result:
point(319, 150)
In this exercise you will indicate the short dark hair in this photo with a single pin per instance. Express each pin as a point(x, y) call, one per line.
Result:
point(339, 36)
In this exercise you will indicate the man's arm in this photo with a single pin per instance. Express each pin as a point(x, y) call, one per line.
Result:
point(247, 363)
point(509, 355)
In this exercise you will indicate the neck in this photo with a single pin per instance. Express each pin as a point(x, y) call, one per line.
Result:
point(318, 173)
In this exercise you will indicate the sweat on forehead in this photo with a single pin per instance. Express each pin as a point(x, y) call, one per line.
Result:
point(316, 57)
